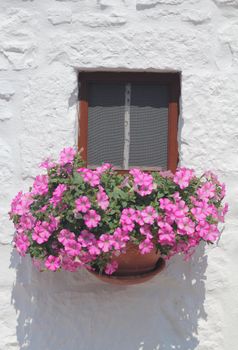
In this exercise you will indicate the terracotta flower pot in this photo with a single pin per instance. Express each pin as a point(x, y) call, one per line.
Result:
point(133, 267)
point(132, 262)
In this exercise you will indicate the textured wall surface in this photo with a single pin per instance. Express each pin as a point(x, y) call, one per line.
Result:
point(42, 46)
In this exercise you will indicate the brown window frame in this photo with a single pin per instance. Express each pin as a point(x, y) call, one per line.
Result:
point(172, 80)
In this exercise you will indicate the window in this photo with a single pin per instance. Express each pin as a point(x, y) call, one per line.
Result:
point(129, 119)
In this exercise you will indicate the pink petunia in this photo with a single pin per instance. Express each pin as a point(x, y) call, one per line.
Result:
point(82, 204)
point(183, 176)
point(102, 199)
point(21, 242)
point(166, 235)
point(146, 231)
point(52, 263)
point(21, 204)
point(94, 250)
point(41, 232)
point(86, 239)
point(119, 239)
point(72, 247)
point(148, 215)
point(58, 194)
point(207, 191)
point(67, 156)
point(104, 167)
point(27, 221)
point(40, 185)
point(89, 176)
point(53, 223)
point(70, 263)
point(65, 235)
point(208, 232)
point(111, 268)
point(92, 218)
point(186, 226)
point(105, 243)
point(143, 182)
point(47, 164)
point(128, 217)
point(146, 246)
point(222, 212)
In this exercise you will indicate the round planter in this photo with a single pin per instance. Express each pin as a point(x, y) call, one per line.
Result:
point(133, 267)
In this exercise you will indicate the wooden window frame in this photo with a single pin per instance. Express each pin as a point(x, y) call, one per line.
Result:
point(172, 80)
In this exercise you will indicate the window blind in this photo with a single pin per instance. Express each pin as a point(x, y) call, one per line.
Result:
point(128, 125)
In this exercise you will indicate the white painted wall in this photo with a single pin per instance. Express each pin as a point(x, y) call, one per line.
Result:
point(42, 45)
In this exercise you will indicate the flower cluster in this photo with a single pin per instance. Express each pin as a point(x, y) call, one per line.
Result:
point(74, 217)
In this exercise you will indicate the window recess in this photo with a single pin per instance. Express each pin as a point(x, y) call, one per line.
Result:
point(129, 119)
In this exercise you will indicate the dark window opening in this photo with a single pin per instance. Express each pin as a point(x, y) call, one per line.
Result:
point(129, 119)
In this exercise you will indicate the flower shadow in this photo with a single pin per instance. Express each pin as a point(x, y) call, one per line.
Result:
point(75, 311)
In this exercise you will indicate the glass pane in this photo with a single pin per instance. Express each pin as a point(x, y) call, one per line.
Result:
point(106, 124)
point(148, 126)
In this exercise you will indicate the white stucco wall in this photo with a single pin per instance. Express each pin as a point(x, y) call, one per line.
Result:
point(42, 45)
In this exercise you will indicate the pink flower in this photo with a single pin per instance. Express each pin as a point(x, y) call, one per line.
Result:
point(94, 250)
point(92, 218)
point(198, 214)
point(47, 164)
point(65, 236)
point(82, 204)
point(89, 176)
point(105, 242)
point(67, 156)
point(41, 232)
point(100, 170)
point(127, 219)
point(21, 204)
point(87, 239)
point(138, 218)
point(53, 223)
point(166, 234)
point(166, 205)
point(40, 185)
point(202, 209)
point(21, 243)
point(52, 263)
point(207, 231)
point(102, 199)
point(143, 182)
point(174, 211)
point(146, 246)
point(222, 212)
point(119, 239)
point(207, 191)
point(70, 263)
point(72, 247)
point(146, 231)
point(186, 226)
point(111, 268)
point(27, 221)
point(149, 215)
point(166, 239)
point(58, 194)
point(183, 177)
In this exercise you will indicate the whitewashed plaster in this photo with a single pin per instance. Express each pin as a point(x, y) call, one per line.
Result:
point(43, 44)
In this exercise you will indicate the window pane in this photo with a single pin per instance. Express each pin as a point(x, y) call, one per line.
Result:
point(106, 124)
point(148, 126)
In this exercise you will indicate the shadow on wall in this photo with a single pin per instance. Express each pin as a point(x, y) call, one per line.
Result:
point(75, 311)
